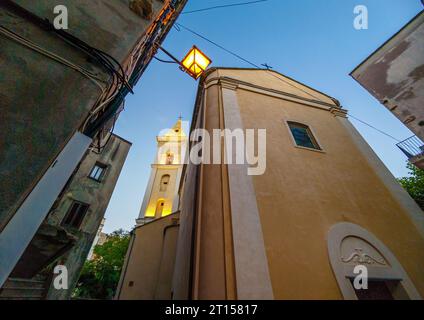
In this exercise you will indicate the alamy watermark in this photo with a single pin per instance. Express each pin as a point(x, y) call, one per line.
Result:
point(360, 282)
point(218, 146)
point(60, 280)
point(60, 21)
point(360, 22)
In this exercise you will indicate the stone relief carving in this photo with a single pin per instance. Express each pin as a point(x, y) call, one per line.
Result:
point(361, 257)
point(349, 245)
point(355, 250)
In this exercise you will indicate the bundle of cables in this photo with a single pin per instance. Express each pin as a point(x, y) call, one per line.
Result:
point(121, 80)
point(109, 89)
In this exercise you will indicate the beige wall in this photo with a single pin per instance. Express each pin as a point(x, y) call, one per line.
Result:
point(189, 198)
point(148, 269)
point(302, 194)
point(214, 265)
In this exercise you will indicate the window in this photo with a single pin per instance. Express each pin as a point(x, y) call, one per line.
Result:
point(159, 208)
point(303, 136)
point(169, 158)
point(98, 171)
point(164, 181)
point(377, 290)
point(75, 215)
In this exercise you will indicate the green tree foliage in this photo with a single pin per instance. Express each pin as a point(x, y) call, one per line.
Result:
point(100, 276)
point(414, 184)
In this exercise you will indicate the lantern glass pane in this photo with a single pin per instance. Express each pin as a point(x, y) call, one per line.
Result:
point(202, 61)
point(196, 62)
point(189, 60)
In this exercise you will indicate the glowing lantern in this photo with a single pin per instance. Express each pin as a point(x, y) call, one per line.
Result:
point(195, 62)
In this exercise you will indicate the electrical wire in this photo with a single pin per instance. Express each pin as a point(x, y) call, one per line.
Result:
point(164, 61)
point(106, 95)
point(272, 74)
point(371, 126)
point(101, 147)
point(112, 66)
point(104, 59)
point(121, 79)
point(143, 52)
point(176, 27)
point(216, 45)
point(28, 43)
point(224, 6)
point(118, 79)
point(247, 61)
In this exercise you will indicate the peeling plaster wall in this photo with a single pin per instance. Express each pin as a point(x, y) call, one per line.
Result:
point(394, 74)
point(97, 194)
point(43, 102)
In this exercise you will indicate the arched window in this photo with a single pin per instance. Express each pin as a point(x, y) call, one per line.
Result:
point(159, 208)
point(349, 246)
point(303, 136)
point(164, 182)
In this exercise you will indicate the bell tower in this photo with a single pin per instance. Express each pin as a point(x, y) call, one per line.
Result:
point(161, 196)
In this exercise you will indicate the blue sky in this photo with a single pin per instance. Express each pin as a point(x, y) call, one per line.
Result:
point(312, 41)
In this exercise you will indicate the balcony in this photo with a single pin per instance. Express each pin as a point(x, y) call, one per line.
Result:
point(413, 148)
point(49, 243)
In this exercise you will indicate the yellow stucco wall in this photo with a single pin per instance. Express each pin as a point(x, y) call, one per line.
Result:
point(148, 269)
point(270, 80)
point(168, 195)
point(302, 194)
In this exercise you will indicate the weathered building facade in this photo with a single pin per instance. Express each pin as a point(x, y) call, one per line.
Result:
point(67, 234)
point(61, 91)
point(394, 74)
point(324, 205)
point(100, 239)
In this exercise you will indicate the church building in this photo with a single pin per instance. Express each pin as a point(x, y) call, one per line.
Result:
point(325, 205)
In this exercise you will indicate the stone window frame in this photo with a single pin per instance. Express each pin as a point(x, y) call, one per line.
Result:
point(343, 272)
point(68, 213)
point(103, 167)
point(312, 132)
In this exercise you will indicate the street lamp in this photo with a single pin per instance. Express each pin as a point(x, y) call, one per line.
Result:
point(194, 63)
